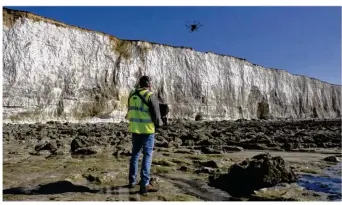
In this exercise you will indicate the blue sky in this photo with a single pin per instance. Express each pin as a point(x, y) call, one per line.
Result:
point(301, 40)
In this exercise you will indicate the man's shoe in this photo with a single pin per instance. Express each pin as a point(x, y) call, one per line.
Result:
point(131, 186)
point(148, 188)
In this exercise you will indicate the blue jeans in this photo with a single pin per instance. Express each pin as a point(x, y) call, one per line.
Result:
point(146, 142)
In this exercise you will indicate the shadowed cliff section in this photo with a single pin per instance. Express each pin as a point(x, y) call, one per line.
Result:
point(78, 73)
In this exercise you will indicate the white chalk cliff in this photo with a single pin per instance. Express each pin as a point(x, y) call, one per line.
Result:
point(58, 70)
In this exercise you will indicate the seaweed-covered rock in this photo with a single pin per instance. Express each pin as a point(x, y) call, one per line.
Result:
point(252, 174)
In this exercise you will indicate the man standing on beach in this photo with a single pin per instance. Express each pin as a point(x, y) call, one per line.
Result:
point(144, 117)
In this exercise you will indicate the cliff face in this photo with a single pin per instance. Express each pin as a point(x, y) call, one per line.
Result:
point(57, 70)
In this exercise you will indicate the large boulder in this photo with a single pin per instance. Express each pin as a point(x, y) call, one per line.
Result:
point(252, 174)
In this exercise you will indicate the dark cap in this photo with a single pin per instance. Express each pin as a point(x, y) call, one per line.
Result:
point(145, 81)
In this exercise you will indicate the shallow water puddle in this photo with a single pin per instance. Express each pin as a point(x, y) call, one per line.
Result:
point(330, 184)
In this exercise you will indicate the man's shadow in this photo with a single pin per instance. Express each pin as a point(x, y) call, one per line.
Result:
point(60, 187)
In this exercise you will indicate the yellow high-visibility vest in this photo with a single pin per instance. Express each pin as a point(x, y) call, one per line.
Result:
point(139, 116)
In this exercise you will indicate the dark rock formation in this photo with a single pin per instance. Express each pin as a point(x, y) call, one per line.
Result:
point(199, 116)
point(331, 159)
point(252, 174)
point(81, 146)
point(48, 146)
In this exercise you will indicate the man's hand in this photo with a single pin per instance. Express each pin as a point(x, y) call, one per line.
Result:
point(159, 129)
point(162, 127)
point(160, 122)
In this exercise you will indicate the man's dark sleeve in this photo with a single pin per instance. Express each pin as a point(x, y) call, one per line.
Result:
point(155, 111)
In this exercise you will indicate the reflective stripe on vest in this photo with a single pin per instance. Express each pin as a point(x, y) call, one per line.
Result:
point(140, 121)
point(138, 109)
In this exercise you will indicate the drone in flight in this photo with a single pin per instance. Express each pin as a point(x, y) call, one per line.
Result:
point(194, 26)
